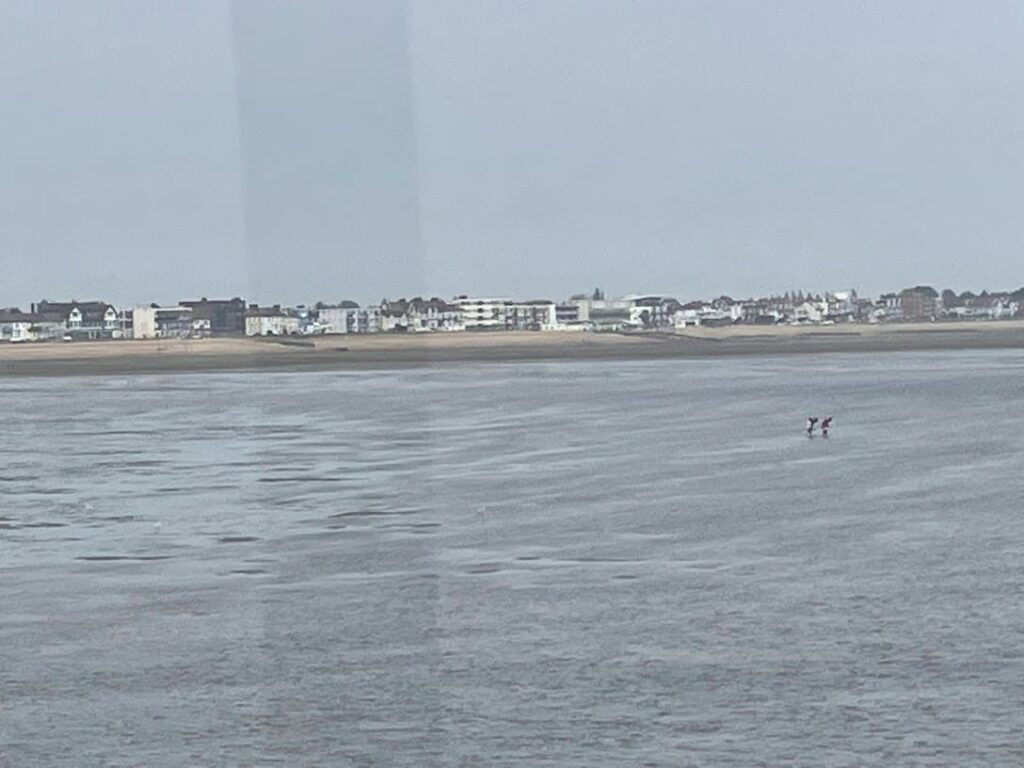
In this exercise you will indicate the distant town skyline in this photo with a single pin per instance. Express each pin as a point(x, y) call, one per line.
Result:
point(328, 299)
point(190, 319)
point(373, 148)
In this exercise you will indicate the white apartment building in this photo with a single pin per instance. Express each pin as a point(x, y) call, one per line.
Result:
point(507, 315)
point(162, 322)
point(483, 314)
point(539, 315)
point(344, 318)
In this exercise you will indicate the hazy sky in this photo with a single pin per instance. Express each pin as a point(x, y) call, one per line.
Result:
point(362, 148)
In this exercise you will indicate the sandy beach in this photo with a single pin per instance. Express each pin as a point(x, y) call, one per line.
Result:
point(408, 350)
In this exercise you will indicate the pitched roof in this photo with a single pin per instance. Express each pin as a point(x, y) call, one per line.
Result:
point(15, 315)
point(257, 311)
point(66, 307)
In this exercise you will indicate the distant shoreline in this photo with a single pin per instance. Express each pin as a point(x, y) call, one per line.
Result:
point(356, 352)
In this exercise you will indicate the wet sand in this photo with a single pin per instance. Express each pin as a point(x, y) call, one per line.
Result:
point(410, 350)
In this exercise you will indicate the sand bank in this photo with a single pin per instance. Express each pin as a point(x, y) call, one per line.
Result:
point(408, 350)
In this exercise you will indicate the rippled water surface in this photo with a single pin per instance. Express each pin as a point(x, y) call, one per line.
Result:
point(593, 564)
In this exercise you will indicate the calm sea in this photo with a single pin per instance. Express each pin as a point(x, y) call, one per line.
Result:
point(586, 564)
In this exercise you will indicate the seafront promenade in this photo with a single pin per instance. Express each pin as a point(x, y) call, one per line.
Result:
point(411, 350)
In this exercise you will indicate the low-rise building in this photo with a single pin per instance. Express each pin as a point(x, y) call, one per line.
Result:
point(156, 322)
point(651, 312)
point(919, 303)
point(126, 323)
point(270, 321)
point(986, 306)
point(81, 319)
point(369, 320)
point(842, 306)
point(223, 317)
point(420, 314)
point(810, 312)
point(887, 308)
point(435, 314)
point(505, 314)
point(575, 310)
point(482, 314)
point(394, 316)
point(17, 326)
point(572, 316)
point(340, 318)
point(534, 315)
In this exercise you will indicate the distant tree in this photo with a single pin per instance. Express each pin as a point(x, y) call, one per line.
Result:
point(950, 299)
point(598, 294)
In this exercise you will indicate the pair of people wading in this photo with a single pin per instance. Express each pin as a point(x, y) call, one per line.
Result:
point(812, 422)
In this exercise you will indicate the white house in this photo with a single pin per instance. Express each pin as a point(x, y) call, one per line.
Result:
point(810, 312)
point(438, 315)
point(17, 326)
point(842, 305)
point(270, 321)
point(342, 318)
point(81, 319)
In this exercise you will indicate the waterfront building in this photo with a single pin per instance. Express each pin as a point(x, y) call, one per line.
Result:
point(81, 319)
point(571, 315)
point(17, 326)
point(482, 314)
point(270, 321)
point(224, 317)
point(919, 303)
point(420, 314)
point(339, 318)
point(534, 315)
point(651, 311)
point(155, 322)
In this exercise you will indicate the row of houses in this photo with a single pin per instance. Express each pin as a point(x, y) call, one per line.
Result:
point(61, 320)
point(90, 320)
point(917, 304)
point(416, 315)
point(925, 303)
point(75, 320)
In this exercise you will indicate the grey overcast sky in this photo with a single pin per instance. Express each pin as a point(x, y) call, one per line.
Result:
point(369, 148)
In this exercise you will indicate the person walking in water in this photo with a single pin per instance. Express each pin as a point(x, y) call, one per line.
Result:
point(811, 421)
point(825, 424)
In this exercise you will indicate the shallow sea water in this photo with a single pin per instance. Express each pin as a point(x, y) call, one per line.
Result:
point(593, 564)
